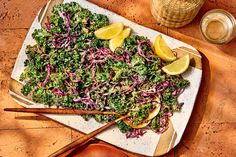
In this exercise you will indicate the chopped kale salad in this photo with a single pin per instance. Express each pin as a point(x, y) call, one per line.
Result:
point(70, 68)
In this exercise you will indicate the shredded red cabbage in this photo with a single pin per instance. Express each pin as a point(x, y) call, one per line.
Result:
point(135, 82)
point(140, 51)
point(70, 74)
point(58, 92)
point(48, 25)
point(75, 91)
point(47, 77)
point(90, 104)
point(135, 133)
point(164, 122)
point(64, 40)
point(76, 80)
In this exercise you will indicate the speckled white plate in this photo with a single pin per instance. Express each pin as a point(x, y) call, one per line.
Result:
point(151, 143)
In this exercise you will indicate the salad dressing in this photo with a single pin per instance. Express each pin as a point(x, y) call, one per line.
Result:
point(216, 30)
point(218, 26)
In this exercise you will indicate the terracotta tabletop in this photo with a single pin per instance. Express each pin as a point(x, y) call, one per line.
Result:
point(211, 130)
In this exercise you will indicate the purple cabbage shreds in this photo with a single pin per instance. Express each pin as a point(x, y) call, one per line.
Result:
point(37, 86)
point(108, 53)
point(124, 56)
point(93, 73)
point(156, 89)
point(105, 51)
point(122, 83)
point(177, 92)
point(83, 59)
point(47, 77)
point(93, 62)
point(162, 86)
point(70, 74)
point(110, 117)
point(114, 85)
point(97, 61)
point(90, 104)
point(164, 123)
point(146, 100)
point(100, 85)
point(130, 88)
point(140, 51)
point(106, 94)
point(88, 41)
point(150, 92)
point(64, 40)
point(73, 88)
point(135, 82)
point(136, 79)
point(61, 14)
point(87, 100)
point(106, 100)
point(87, 93)
point(135, 133)
point(127, 58)
point(48, 25)
point(66, 18)
point(76, 80)
point(68, 22)
point(58, 92)
point(169, 114)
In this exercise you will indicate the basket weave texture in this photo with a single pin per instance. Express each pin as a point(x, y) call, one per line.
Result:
point(175, 13)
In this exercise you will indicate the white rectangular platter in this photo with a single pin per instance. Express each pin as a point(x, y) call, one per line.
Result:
point(147, 144)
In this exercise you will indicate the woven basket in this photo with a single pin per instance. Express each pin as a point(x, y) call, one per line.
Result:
point(175, 13)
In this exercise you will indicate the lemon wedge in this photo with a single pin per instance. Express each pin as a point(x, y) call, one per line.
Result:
point(163, 50)
point(110, 31)
point(177, 67)
point(119, 40)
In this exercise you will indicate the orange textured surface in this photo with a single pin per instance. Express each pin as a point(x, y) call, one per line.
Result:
point(212, 127)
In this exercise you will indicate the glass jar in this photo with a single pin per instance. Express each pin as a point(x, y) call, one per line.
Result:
point(218, 26)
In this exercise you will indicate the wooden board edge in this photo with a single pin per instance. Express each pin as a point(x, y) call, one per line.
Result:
point(195, 57)
point(166, 141)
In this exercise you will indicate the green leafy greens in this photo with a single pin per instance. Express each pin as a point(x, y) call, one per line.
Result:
point(71, 68)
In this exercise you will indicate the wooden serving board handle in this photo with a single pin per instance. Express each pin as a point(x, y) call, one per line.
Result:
point(46, 11)
point(195, 57)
